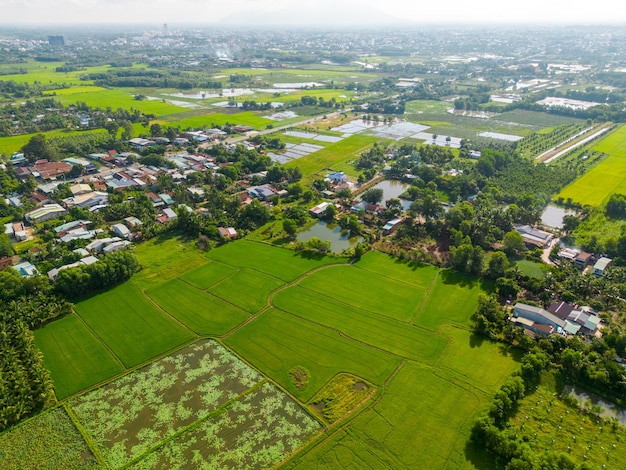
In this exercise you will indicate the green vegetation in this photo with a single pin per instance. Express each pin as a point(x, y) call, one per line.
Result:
point(199, 311)
point(535, 144)
point(606, 178)
point(371, 328)
point(354, 287)
point(208, 274)
point(452, 299)
point(280, 263)
point(339, 397)
point(247, 289)
point(277, 342)
point(335, 156)
point(75, 357)
point(49, 440)
point(130, 325)
point(531, 269)
point(202, 119)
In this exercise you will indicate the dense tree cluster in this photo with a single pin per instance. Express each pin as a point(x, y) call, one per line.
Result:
point(111, 270)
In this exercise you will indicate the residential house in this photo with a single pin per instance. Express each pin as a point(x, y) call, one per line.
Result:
point(45, 213)
point(98, 245)
point(583, 259)
point(599, 269)
point(115, 246)
point(227, 233)
point(263, 192)
point(121, 230)
point(391, 226)
point(320, 209)
point(534, 237)
point(133, 222)
point(338, 177)
point(538, 315)
point(141, 144)
point(54, 273)
point(48, 170)
point(6, 263)
point(19, 232)
point(26, 269)
point(86, 200)
point(78, 189)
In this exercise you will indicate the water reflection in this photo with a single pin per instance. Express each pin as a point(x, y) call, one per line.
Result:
point(339, 239)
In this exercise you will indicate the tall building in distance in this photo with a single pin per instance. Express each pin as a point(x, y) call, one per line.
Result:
point(56, 40)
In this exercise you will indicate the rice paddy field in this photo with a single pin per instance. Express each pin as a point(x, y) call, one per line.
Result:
point(253, 356)
point(608, 177)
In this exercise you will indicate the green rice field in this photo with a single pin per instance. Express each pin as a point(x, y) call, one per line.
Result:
point(607, 177)
point(75, 357)
point(135, 329)
point(396, 332)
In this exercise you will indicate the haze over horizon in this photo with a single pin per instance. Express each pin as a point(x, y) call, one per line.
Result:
point(325, 12)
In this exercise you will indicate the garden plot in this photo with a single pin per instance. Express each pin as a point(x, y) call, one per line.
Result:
point(257, 431)
point(282, 115)
point(440, 140)
point(397, 130)
point(497, 135)
point(310, 135)
point(295, 151)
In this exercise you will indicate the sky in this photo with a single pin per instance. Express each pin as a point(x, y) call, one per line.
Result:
point(14, 12)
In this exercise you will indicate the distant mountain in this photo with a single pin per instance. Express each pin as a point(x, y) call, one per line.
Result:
point(324, 13)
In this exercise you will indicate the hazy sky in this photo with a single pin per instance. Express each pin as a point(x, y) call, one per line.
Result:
point(341, 11)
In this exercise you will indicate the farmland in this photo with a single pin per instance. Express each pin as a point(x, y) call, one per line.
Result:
point(606, 178)
point(311, 325)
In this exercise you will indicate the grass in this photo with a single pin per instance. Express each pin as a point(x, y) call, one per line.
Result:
point(353, 286)
point(483, 364)
point(336, 156)
point(278, 262)
point(416, 274)
point(277, 342)
point(373, 329)
point(164, 258)
point(583, 437)
point(453, 299)
point(247, 289)
point(607, 177)
point(199, 311)
point(202, 119)
point(208, 274)
point(10, 145)
point(49, 440)
point(342, 395)
point(426, 106)
point(532, 269)
point(600, 226)
point(75, 358)
point(131, 325)
point(420, 422)
point(119, 98)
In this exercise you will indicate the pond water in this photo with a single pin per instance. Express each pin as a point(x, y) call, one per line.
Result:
point(552, 216)
point(393, 189)
point(339, 240)
point(609, 410)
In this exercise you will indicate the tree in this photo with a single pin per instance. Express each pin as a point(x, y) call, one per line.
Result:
point(498, 264)
point(290, 227)
point(373, 195)
point(156, 130)
point(5, 246)
point(513, 243)
point(38, 147)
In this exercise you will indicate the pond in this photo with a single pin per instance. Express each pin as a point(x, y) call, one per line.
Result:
point(393, 189)
point(339, 240)
point(609, 410)
point(552, 216)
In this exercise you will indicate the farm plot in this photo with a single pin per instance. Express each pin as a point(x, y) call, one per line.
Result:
point(335, 156)
point(453, 298)
point(199, 311)
point(75, 358)
point(343, 394)
point(205, 119)
point(277, 343)
point(131, 325)
point(49, 440)
point(416, 274)
point(482, 363)
point(126, 418)
point(373, 329)
point(422, 421)
point(366, 290)
point(164, 258)
point(208, 274)
point(278, 262)
point(294, 151)
point(606, 178)
point(257, 431)
point(247, 289)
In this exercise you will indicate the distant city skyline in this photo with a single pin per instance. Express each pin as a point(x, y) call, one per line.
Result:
point(325, 12)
